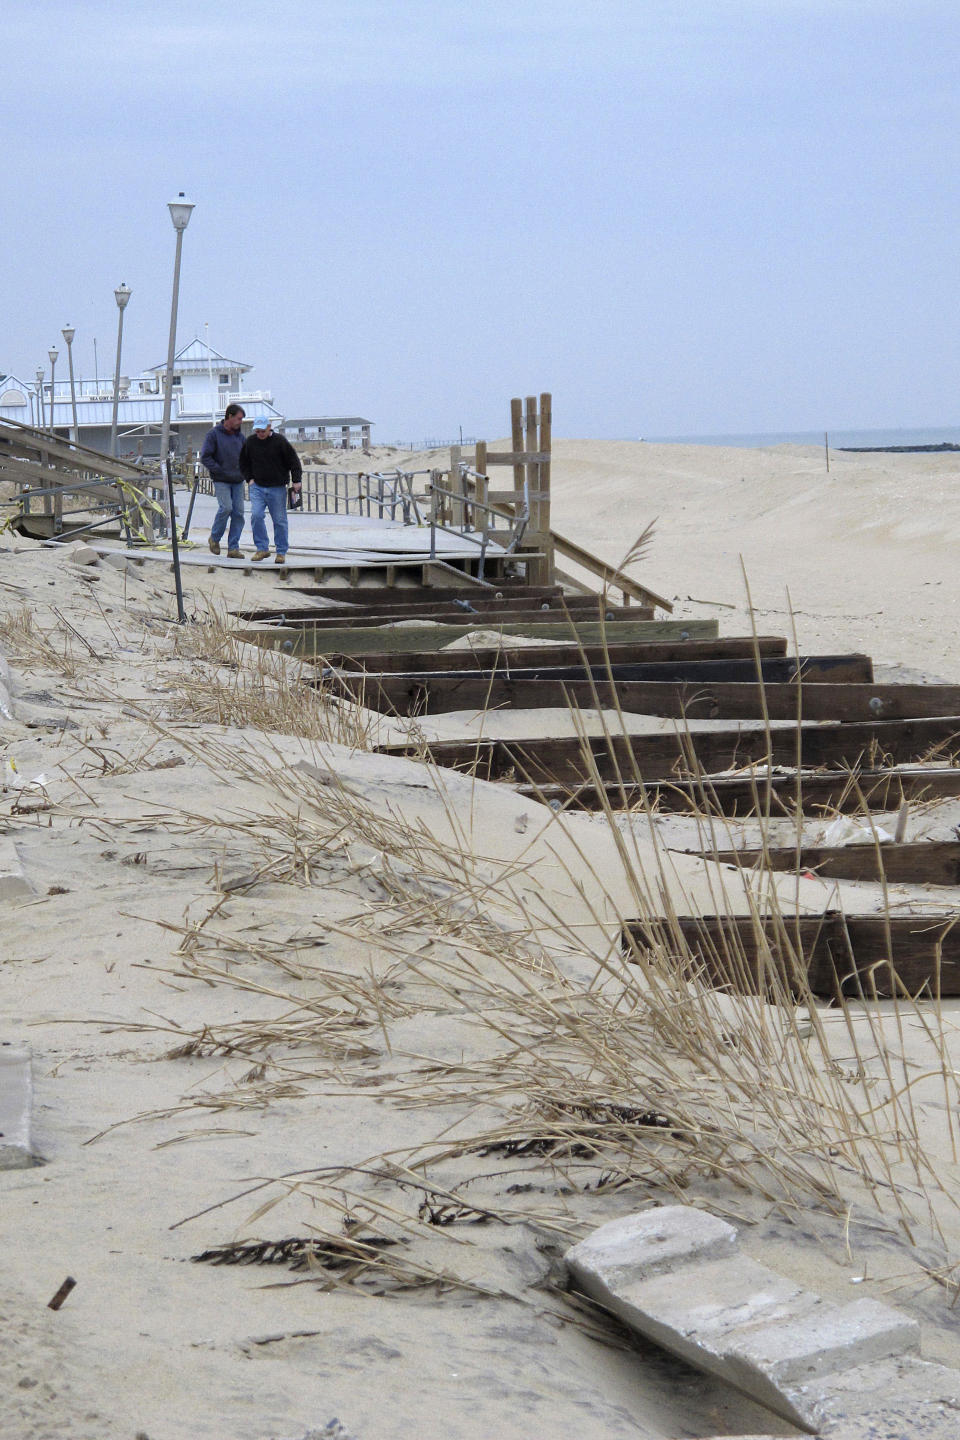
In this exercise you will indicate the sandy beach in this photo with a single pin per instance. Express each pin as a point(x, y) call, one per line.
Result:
point(279, 987)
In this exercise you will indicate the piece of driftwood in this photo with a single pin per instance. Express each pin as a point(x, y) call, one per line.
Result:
point(855, 955)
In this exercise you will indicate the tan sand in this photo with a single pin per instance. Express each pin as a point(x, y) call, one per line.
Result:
point(139, 816)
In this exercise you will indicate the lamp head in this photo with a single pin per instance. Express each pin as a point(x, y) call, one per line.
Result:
point(68, 333)
point(39, 374)
point(122, 295)
point(54, 355)
point(180, 211)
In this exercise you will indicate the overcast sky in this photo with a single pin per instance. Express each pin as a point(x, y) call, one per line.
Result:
point(679, 216)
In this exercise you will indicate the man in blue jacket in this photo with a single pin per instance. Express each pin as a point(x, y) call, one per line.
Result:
point(221, 456)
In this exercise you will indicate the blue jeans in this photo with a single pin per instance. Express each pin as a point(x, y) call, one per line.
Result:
point(229, 507)
point(274, 499)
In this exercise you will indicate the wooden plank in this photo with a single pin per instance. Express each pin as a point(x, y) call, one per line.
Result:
point(544, 479)
point(923, 862)
point(838, 955)
point(516, 442)
point(29, 444)
point(678, 752)
point(511, 658)
point(450, 603)
point(622, 686)
point(418, 594)
point(608, 573)
point(517, 457)
point(40, 477)
point(360, 640)
point(819, 792)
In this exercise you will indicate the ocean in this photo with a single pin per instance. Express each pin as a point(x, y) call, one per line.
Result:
point(839, 439)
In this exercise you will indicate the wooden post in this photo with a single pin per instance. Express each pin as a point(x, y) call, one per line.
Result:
point(482, 487)
point(535, 529)
point(455, 485)
point(516, 445)
point(546, 440)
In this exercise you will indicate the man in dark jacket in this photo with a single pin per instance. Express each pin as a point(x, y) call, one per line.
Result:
point(221, 456)
point(270, 463)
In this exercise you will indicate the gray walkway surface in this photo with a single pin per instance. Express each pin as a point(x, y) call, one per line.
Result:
point(316, 541)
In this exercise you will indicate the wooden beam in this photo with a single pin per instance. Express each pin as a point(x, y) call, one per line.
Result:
point(834, 955)
point(360, 640)
point(818, 792)
point(517, 457)
point(622, 686)
point(665, 755)
point(609, 574)
point(923, 862)
point(508, 657)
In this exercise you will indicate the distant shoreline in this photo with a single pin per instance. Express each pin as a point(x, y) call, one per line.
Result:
point(896, 449)
point(904, 439)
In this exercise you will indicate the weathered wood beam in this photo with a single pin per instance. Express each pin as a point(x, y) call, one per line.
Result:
point(667, 754)
point(818, 792)
point(922, 862)
point(360, 640)
point(670, 688)
point(508, 658)
point(854, 955)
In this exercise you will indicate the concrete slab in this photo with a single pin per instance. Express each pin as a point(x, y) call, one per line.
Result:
point(13, 880)
point(6, 705)
point(674, 1275)
point(16, 1099)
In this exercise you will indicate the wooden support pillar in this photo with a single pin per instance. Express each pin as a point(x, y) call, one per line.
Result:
point(516, 445)
point(344, 437)
point(481, 487)
point(545, 566)
point(455, 484)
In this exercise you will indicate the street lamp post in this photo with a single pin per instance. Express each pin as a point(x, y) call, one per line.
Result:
point(180, 211)
point(68, 333)
point(121, 295)
point(54, 355)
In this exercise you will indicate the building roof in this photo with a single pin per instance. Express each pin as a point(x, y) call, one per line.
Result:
point(332, 420)
point(199, 356)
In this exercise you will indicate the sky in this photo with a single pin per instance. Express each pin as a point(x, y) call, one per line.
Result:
point(678, 216)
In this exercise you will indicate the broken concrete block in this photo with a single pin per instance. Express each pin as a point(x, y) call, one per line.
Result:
point(637, 1247)
point(115, 560)
point(16, 1098)
point(81, 554)
point(13, 881)
point(906, 1399)
point(675, 1275)
point(6, 706)
point(828, 1338)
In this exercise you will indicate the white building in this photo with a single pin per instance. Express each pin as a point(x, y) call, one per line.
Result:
point(204, 384)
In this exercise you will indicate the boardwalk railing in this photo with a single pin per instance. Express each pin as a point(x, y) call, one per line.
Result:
point(53, 478)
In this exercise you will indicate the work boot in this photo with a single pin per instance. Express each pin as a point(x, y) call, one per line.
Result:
point(234, 554)
point(214, 546)
point(260, 555)
point(279, 559)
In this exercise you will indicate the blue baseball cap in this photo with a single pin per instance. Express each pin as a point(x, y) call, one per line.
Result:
point(261, 423)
